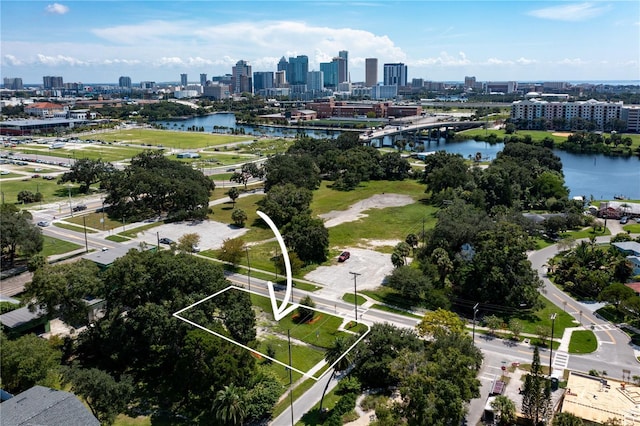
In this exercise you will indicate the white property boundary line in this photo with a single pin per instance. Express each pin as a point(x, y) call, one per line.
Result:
point(306, 374)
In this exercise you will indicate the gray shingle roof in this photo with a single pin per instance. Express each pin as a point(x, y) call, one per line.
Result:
point(44, 406)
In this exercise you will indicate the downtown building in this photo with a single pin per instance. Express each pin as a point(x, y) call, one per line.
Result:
point(242, 80)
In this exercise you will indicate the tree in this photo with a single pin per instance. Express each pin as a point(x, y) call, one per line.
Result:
point(17, 233)
point(62, 290)
point(239, 217)
point(28, 361)
point(233, 193)
point(493, 323)
point(305, 310)
point(247, 172)
point(187, 242)
point(440, 322)
point(232, 250)
point(394, 166)
point(27, 197)
point(283, 202)
point(154, 184)
point(412, 240)
point(536, 393)
point(337, 353)
point(105, 396)
point(87, 172)
point(505, 409)
point(403, 250)
point(444, 170)
point(515, 327)
point(308, 238)
point(300, 170)
point(615, 293)
point(410, 282)
point(567, 419)
point(443, 263)
point(229, 407)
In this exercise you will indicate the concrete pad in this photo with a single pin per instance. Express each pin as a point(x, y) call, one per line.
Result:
point(211, 233)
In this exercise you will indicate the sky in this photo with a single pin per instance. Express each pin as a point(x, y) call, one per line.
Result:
point(99, 41)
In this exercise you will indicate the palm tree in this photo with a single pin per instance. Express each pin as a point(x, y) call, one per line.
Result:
point(228, 406)
point(333, 354)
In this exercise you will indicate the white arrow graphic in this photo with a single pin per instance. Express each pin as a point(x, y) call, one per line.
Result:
point(283, 310)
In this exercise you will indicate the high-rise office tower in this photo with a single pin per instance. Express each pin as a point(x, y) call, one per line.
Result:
point(315, 81)
point(183, 80)
point(395, 74)
point(203, 79)
point(283, 64)
point(298, 69)
point(281, 78)
point(262, 80)
point(51, 82)
point(241, 77)
point(343, 66)
point(124, 82)
point(371, 72)
point(330, 73)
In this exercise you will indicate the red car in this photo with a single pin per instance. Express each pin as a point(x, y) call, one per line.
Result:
point(344, 256)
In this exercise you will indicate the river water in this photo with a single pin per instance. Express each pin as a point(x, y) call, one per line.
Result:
point(585, 174)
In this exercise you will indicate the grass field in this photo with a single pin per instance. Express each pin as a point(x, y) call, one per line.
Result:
point(583, 342)
point(53, 246)
point(50, 190)
point(166, 138)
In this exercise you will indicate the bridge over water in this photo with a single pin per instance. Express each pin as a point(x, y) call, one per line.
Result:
point(413, 131)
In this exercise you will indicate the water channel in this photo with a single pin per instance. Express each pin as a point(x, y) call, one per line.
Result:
point(585, 174)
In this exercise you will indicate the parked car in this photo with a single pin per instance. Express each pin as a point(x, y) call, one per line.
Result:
point(79, 208)
point(43, 223)
point(195, 249)
point(344, 256)
point(48, 177)
point(166, 240)
point(624, 220)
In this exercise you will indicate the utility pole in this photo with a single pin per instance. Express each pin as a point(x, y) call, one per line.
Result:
point(475, 311)
point(355, 294)
point(553, 321)
point(248, 263)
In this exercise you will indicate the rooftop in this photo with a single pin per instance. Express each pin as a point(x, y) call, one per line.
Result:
point(598, 399)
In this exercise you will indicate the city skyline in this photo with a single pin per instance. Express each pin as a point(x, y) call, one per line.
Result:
point(97, 42)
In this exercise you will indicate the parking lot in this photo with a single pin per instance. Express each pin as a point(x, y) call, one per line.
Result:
point(211, 233)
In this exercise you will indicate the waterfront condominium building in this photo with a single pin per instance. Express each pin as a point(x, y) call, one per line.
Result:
point(51, 82)
point(297, 70)
point(13, 83)
point(395, 74)
point(124, 82)
point(371, 72)
point(600, 113)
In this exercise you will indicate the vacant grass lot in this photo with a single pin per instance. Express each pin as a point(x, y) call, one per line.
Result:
point(53, 246)
point(166, 138)
point(50, 190)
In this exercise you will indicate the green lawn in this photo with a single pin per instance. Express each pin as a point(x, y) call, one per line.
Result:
point(93, 220)
point(349, 298)
point(50, 190)
point(75, 228)
point(583, 342)
point(53, 246)
point(305, 357)
point(167, 138)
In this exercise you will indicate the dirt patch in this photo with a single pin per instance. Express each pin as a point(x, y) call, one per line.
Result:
point(353, 213)
point(563, 134)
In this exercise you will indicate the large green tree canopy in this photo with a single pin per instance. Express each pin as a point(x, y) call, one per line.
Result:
point(154, 184)
point(17, 233)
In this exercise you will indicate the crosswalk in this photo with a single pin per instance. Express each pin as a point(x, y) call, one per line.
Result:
point(560, 360)
point(602, 327)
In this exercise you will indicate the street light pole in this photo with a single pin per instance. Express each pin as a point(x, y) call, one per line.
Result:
point(246, 248)
point(475, 311)
point(70, 209)
point(355, 294)
point(553, 321)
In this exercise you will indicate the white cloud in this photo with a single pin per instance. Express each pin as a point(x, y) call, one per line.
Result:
point(569, 12)
point(572, 62)
point(444, 59)
point(57, 9)
point(525, 61)
point(59, 60)
point(12, 60)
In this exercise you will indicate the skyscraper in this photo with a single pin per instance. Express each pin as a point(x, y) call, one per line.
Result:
point(14, 83)
point(343, 66)
point(315, 81)
point(203, 79)
point(124, 82)
point(395, 74)
point(262, 80)
point(51, 82)
point(242, 79)
point(371, 72)
point(330, 71)
point(183, 80)
point(298, 69)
